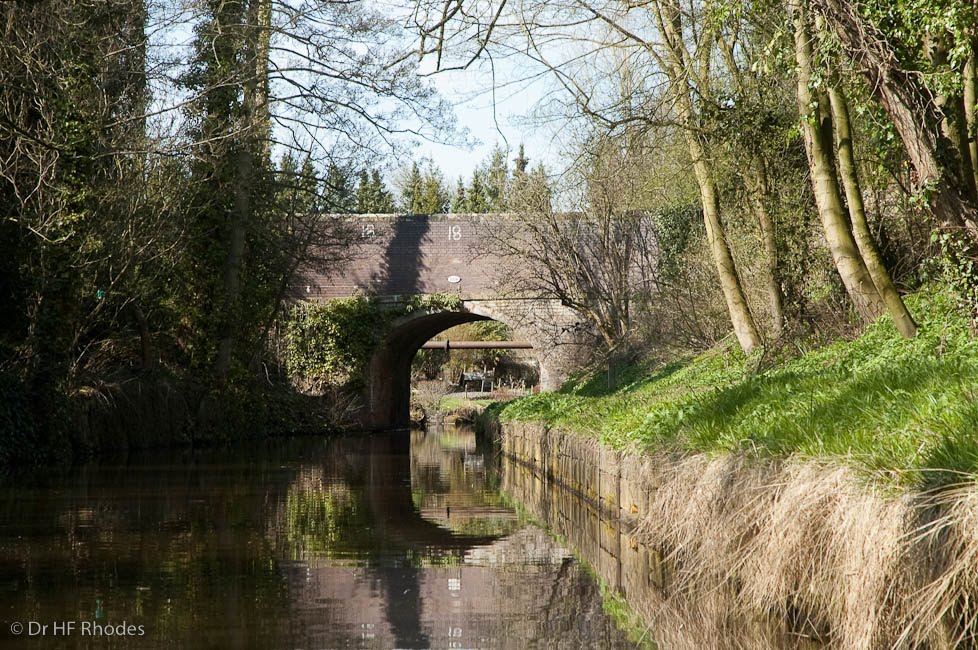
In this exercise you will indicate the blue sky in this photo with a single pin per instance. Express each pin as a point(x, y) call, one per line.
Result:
point(502, 116)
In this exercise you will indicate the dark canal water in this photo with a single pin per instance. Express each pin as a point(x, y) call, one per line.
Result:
point(359, 542)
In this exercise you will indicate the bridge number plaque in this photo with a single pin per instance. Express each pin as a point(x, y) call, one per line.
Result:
point(454, 232)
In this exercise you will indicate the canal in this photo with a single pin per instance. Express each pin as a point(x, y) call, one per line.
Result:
point(379, 541)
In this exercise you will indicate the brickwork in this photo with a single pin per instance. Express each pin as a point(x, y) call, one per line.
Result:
point(409, 254)
point(399, 255)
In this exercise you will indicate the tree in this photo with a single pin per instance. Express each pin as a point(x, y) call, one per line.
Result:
point(142, 219)
point(76, 195)
point(750, 122)
point(594, 260)
point(497, 180)
point(88, 221)
point(824, 115)
point(865, 241)
point(655, 38)
point(372, 195)
point(888, 60)
point(256, 60)
point(683, 67)
point(817, 129)
point(339, 196)
point(477, 194)
point(232, 126)
point(519, 179)
point(460, 200)
point(423, 192)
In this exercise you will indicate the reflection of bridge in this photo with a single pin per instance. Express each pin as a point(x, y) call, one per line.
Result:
point(411, 583)
point(404, 255)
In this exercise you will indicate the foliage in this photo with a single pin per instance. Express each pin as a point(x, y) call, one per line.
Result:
point(331, 343)
point(489, 189)
point(423, 191)
point(597, 260)
point(338, 195)
point(902, 411)
point(143, 220)
point(372, 195)
point(625, 617)
point(450, 363)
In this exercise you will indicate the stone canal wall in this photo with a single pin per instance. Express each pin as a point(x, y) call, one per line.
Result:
point(726, 552)
point(591, 505)
point(614, 483)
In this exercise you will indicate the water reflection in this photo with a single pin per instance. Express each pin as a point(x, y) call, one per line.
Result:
point(361, 542)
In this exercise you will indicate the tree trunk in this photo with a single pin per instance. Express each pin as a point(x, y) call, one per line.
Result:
point(760, 191)
point(970, 99)
point(914, 116)
point(252, 145)
point(231, 303)
point(145, 338)
point(740, 316)
point(857, 213)
point(759, 188)
point(816, 127)
point(954, 126)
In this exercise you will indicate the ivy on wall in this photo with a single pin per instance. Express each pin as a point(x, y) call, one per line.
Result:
point(330, 343)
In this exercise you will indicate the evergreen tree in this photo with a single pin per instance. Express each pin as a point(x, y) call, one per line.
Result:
point(497, 180)
point(383, 199)
point(434, 194)
point(338, 196)
point(477, 196)
point(518, 182)
point(365, 197)
point(372, 197)
point(459, 202)
point(424, 192)
point(521, 162)
point(411, 190)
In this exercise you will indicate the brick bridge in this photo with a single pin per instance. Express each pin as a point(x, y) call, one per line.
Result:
point(404, 255)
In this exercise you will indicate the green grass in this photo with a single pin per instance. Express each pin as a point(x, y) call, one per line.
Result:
point(627, 619)
point(455, 404)
point(902, 410)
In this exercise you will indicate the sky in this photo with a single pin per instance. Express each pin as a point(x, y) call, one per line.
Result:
point(492, 113)
point(500, 115)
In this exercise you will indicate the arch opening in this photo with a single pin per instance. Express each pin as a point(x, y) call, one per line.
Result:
point(389, 387)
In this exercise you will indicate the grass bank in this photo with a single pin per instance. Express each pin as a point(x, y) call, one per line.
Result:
point(901, 411)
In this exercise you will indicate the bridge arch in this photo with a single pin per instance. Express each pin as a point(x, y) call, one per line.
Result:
point(389, 376)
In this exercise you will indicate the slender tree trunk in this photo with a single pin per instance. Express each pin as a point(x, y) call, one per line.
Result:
point(959, 126)
point(760, 190)
point(251, 147)
point(816, 127)
point(908, 105)
point(857, 213)
point(741, 318)
point(970, 99)
point(145, 338)
point(954, 126)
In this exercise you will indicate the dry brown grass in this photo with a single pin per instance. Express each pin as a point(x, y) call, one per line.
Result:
point(804, 554)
